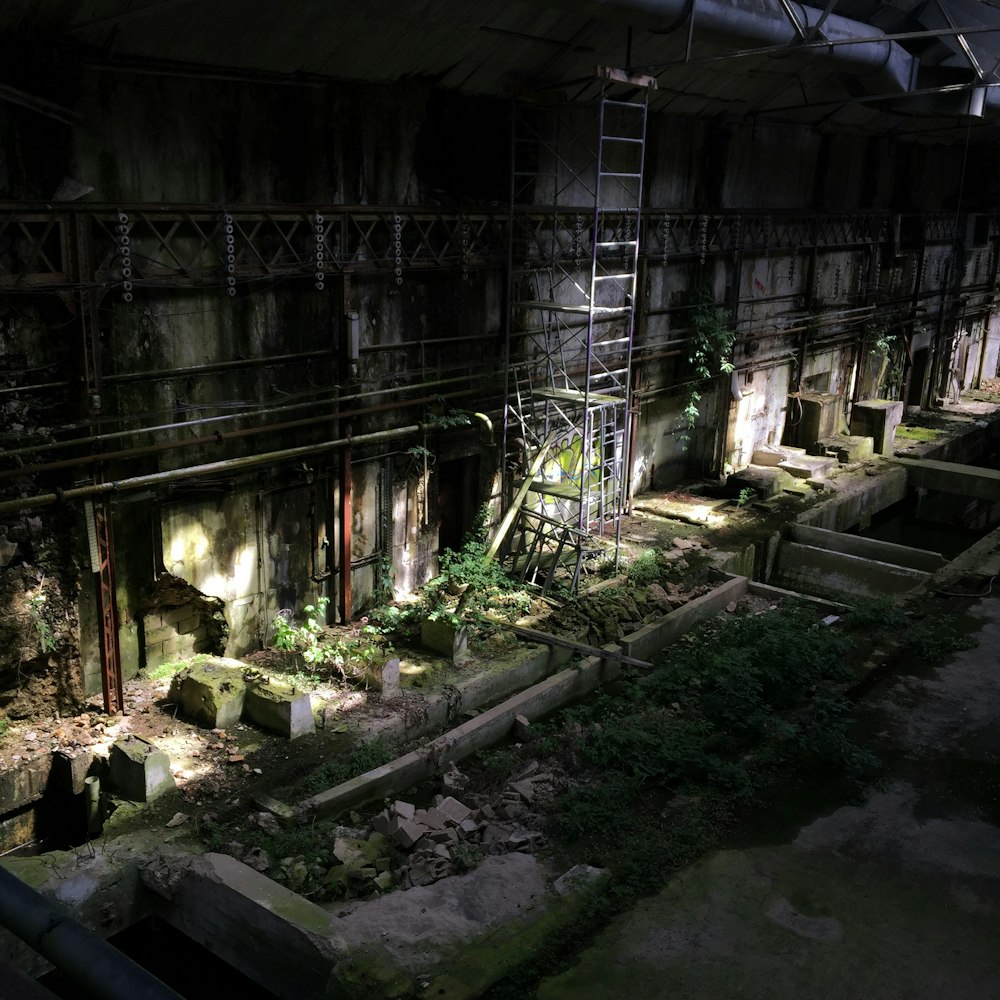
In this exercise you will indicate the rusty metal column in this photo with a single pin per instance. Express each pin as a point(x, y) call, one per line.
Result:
point(104, 564)
point(107, 607)
point(345, 532)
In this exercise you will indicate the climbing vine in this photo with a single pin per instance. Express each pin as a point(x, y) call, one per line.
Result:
point(710, 345)
point(884, 350)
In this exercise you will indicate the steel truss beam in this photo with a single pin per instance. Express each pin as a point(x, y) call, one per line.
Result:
point(180, 247)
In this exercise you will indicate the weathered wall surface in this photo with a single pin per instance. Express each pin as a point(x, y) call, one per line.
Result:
point(742, 209)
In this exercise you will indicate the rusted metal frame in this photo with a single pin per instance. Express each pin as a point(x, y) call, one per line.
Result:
point(210, 241)
point(248, 246)
point(111, 669)
point(107, 607)
point(38, 242)
point(151, 231)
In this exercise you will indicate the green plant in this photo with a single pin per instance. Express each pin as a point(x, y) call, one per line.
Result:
point(878, 613)
point(644, 569)
point(36, 607)
point(710, 345)
point(358, 653)
point(885, 349)
point(4, 726)
point(745, 496)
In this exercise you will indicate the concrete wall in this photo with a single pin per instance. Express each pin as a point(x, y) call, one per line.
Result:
point(250, 538)
point(839, 575)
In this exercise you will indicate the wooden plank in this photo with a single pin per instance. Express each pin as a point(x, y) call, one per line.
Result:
point(581, 647)
point(507, 522)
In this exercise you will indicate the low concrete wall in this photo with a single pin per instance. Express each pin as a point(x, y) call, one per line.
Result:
point(837, 574)
point(482, 731)
point(650, 639)
point(534, 702)
point(441, 708)
point(867, 548)
point(780, 593)
point(950, 477)
point(857, 502)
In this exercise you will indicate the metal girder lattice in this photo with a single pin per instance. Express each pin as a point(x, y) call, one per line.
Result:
point(573, 269)
point(183, 247)
point(178, 247)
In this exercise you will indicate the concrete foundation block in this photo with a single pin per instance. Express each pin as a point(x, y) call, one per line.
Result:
point(877, 419)
point(211, 693)
point(773, 454)
point(282, 941)
point(390, 679)
point(70, 769)
point(847, 447)
point(445, 638)
point(764, 480)
point(279, 709)
point(139, 770)
point(812, 416)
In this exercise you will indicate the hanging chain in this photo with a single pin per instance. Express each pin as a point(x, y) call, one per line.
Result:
point(125, 256)
point(229, 231)
point(397, 248)
point(320, 233)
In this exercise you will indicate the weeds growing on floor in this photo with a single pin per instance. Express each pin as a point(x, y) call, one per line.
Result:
point(664, 761)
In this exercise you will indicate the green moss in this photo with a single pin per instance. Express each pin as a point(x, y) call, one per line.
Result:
point(906, 432)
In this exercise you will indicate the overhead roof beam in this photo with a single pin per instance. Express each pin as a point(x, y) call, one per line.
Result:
point(960, 38)
point(794, 18)
point(816, 30)
point(127, 15)
point(48, 108)
point(952, 88)
point(770, 50)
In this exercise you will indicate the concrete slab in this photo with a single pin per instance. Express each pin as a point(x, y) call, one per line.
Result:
point(847, 448)
point(808, 466)
point(773, 454)
point(841, 576)
point(764, 480)
point(280, 940)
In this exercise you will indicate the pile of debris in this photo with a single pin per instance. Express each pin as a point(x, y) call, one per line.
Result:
point(406, 846)
point(450, 837)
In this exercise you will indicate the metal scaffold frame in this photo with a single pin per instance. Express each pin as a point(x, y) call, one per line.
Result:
point(572, 319)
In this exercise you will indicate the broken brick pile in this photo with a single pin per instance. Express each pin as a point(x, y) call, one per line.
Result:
point(447, 837)
point(405, 846)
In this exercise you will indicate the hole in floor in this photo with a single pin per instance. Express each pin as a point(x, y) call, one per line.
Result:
point(184, 965)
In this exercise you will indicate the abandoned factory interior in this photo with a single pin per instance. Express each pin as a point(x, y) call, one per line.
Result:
point(499, 499)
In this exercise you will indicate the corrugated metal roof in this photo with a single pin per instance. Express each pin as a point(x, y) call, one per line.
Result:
point(493, 46)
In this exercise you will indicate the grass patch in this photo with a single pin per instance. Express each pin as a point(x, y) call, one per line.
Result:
point(362, 758)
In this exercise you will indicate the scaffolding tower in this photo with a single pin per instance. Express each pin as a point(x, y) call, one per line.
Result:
point(575, 209)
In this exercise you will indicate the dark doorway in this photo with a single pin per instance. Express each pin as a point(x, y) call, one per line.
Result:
point(917, 374)
point(458, 500)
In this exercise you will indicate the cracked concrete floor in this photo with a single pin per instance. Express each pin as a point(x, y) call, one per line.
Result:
point(897, 898)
